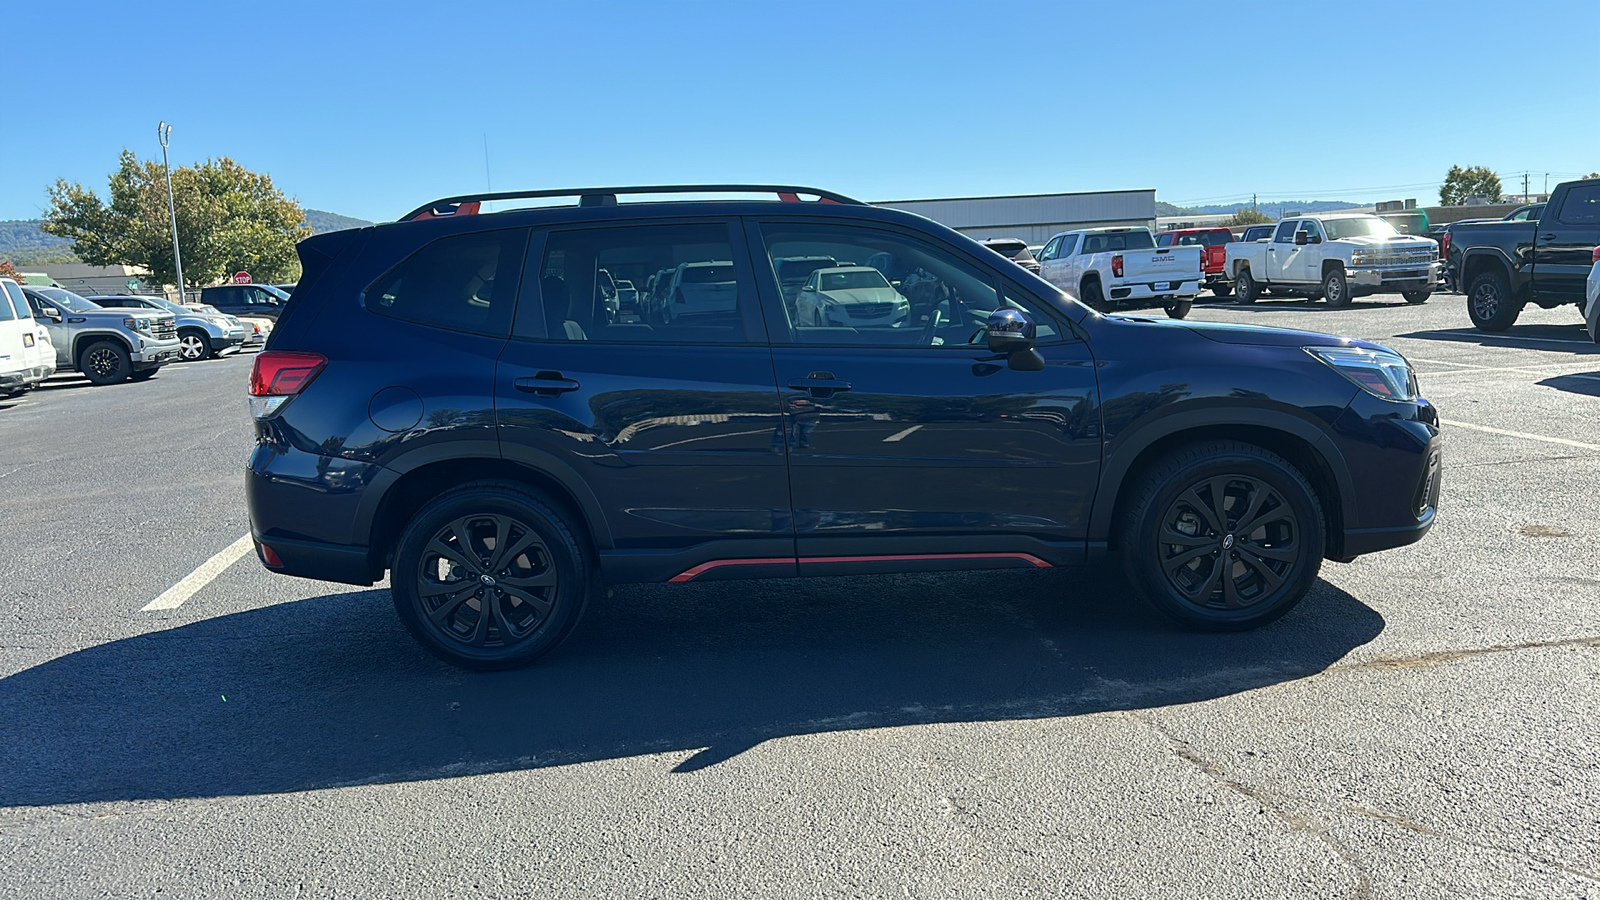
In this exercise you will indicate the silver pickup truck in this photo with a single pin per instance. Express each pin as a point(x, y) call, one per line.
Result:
point(106, 345)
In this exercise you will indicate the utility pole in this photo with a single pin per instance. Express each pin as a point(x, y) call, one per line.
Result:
point(1525, 187)
point(163, 134)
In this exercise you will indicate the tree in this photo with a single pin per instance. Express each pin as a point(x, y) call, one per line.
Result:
point(1474, 181)
point(1247, 216)
point(7, 270)
point(1591, 175)
point(229, 219)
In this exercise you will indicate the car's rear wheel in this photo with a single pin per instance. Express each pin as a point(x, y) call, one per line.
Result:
point(193, 345)
point(1489, 302)
point(1416, 296)
point(490, 576)
point(1222, 536)
point(1244, 287)
point(1335, 287)
point(1177, 309)
point(1093, 296)
point(105, 362)
point(1222, 289)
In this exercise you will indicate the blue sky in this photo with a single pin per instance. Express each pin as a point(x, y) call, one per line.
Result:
point(370, 109)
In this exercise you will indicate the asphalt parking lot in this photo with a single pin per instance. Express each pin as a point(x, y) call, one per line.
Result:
point(1423, 725)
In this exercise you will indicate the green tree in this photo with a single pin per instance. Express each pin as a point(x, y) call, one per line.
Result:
point(1473, 181)
point(1591, 175)
point(229, 219)
point(1247, 216)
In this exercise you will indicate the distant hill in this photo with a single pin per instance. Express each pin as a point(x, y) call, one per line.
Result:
point(24, 243)
point(326, 221)
point(1276, 209)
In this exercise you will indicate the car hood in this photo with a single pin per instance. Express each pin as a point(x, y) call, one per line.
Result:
point(1255, 335)
point(108, 313)
point(863, 295)
point(1368, 241)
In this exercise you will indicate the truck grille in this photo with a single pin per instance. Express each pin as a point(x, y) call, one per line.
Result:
point(1406, 257)
point(164, 329)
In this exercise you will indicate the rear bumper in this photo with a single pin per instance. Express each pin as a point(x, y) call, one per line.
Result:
point(13, 380)
point(314, 559)
point(39, 374)
point(1153, 290)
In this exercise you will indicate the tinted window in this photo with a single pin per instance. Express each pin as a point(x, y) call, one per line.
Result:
point(15, 306)
point(1068, 244)
point(1051, 250)
point(892, 290)
point(451, 283)
point(696, 297)
point(1582, 206)
point(1113, 241)
point(1311, 228)
point(1285, 234)
point(1165, 240)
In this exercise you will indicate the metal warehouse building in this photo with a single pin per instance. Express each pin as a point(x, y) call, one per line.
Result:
point(1035, 217)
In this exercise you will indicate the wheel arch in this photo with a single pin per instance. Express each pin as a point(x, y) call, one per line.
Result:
point(1302, 443)
point(403, 489)
point(82, 340)
point(1485, 259)
point(1328, 264)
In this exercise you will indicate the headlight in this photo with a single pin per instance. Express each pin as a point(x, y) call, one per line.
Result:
point(140, 325)
point(1378, 372)
point(1358, 257)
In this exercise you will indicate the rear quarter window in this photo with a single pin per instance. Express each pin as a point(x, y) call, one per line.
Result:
point(467, 282)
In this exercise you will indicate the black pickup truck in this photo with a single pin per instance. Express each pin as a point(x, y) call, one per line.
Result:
point(1505, 265)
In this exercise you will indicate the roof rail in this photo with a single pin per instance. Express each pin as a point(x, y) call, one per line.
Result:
point(469, 204)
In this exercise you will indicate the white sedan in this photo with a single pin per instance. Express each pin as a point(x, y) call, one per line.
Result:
point(1592, 304)
point(850, 295)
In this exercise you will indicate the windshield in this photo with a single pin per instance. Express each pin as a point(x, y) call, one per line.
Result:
point(1408, 223)
point(1357, 226)
point(846, 281)
point(1137, 239)
point(1016, 250)
point(708, 274)
point(70, 300)
point(167, 305)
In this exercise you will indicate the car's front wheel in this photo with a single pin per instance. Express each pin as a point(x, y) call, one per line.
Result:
point(1222, 536)
point(1335, 287)
point(490, 576)
point(193, 345)
point(105, 362)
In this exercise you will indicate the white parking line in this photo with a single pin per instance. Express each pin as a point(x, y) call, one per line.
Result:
point(1522, 434)
point(173, 597)
point(900, 435)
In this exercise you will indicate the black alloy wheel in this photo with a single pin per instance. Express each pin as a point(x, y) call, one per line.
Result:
point(1094, 298)
point(1223, 536)
point(1489, 302)
point(489, 576)
point(105, 362)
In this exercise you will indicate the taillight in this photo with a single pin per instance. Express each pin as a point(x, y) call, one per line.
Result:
point(1597, 254)
point(1444, 245)
point(278, 375)
point(1116, 266)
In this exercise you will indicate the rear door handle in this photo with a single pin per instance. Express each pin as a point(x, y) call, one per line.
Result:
point(547, 384)
point(820, 384)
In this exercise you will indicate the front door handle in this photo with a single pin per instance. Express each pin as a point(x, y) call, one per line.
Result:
point(547, 384)
point(821, 385)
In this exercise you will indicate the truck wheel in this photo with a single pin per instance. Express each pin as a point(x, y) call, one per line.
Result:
point(1244, 287)
point(1222, 289)
point(1177, 309)
point(193, 345)
point(1222, 536)
point(491, 576)
point(1093, 297)
point(1489, 301)
point(105, 362)
point(1416, 296)
point(1335, 289)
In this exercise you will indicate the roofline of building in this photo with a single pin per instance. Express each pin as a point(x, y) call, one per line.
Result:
point(1020, 196)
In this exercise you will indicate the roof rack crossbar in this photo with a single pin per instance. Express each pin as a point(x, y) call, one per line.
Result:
point(607, 196)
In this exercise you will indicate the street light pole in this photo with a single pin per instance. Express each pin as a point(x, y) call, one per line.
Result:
point(164, 133)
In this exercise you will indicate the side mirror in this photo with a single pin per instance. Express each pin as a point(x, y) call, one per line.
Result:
point(51, 312)
point(1010, 333)
point(1302, 238)
point(1316, 239)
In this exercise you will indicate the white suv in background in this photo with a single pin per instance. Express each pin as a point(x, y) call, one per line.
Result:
point(1591, 303)
point(26, 355)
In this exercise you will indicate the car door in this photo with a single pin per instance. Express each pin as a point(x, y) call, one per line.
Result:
point(672, 423)
point(1283, 258)
point(1307, 260)
point(1563, 246)
point(1052, 260)
point(54, 319)
point(908, 443)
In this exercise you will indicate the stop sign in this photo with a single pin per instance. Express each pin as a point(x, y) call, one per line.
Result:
point(241, 278)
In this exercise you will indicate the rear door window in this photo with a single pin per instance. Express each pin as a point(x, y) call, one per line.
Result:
point(1582, 206)
point(454, 283)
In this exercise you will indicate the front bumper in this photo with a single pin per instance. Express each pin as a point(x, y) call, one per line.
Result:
point(153, 353)
point(228, 341)
point(1394, 278)
point(1394, 454)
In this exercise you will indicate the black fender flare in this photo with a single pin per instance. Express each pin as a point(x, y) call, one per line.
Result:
point(82, 340)
point(1120, 461)
point(1499, 257)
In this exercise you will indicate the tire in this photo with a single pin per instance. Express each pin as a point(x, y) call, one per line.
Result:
point(1222, 289)
point(1416, 297)
point(554, 577)
point(1209, 575)
point(1335, 287)
point(193, 345)
point(1245, 288)
point(144, 374)
point(105, 362)
point(1094, 297)
point(1177, 309)
point(1489, 302)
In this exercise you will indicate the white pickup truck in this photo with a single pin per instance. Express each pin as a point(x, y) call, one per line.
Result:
point(1337, 257)
point(1104, 267)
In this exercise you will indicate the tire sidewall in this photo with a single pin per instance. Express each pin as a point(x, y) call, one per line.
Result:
point(1245, 287)
point(1341, 296)
point(1505, 311)
point(574, 573)
point(1140, 547)
point(205, 345)
point(124, 363)
point(1178, 309)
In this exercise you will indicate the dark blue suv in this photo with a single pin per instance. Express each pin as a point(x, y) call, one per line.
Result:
point(457, 398)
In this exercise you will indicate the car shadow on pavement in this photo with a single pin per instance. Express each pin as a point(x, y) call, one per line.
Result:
point(1576, 335)
point(1579, 383)
point(331, 691)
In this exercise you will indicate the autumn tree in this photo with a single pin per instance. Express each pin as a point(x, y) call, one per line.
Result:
point(1473, 181)
point(7, 270)
point(229, 219)
point(1246, 215)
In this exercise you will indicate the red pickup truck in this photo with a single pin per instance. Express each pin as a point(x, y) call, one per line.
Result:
point(1213, 259)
